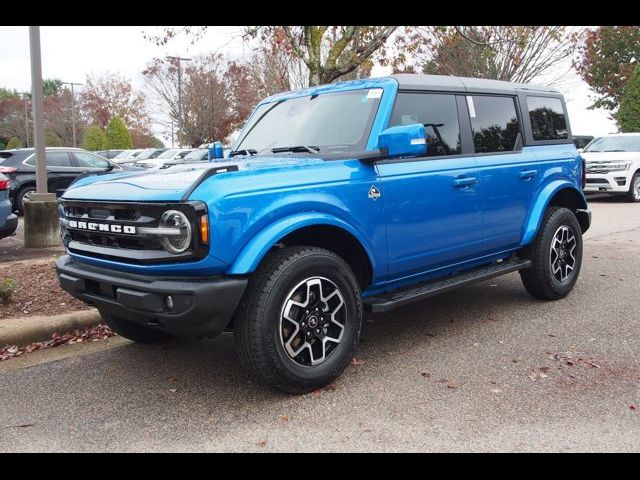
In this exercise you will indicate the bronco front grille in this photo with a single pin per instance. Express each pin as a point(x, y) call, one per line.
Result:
point(111, 230)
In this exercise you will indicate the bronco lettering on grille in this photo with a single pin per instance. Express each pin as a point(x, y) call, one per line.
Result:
point(102, 227)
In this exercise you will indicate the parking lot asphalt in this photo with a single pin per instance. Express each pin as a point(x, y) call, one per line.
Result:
point(483, 368)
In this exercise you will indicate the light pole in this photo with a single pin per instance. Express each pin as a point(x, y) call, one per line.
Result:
point(40, 209)
point(25, 95)
point(171, 133)
point(179, 59)
point(73, 110)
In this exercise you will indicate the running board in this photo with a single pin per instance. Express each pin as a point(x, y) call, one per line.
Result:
point(385, 302)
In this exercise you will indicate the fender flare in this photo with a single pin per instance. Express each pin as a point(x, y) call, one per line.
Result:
point(540, 206)
point(254, 251)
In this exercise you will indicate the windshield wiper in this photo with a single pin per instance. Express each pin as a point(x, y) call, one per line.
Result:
point(297, 148)
point(243, 151)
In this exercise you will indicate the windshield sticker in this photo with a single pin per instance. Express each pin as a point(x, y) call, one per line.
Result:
point(374, 93)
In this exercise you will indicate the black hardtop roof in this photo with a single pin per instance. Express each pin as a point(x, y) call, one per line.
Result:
point(417, 81)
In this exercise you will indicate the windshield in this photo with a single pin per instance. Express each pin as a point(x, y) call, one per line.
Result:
point(144, 154)
point(332, 122)
point(197, 155)
point(169, 153)
point(123, 154)
point(615, 144)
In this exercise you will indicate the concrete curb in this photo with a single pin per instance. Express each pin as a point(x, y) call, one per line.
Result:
point(26, 330)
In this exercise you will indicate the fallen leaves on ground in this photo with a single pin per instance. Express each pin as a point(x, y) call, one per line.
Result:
point(262, 443)
point(284, 418)
point(633, 406)
point(357, 362)
point(573, 358)
point(80, 335)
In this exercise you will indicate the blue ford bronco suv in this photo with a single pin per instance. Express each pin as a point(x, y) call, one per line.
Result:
point(335, 200)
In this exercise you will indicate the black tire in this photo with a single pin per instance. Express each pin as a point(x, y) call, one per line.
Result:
point(259, 326)
point(633, 195)
point(540, 280)
point(21, 195)
point(133, 331)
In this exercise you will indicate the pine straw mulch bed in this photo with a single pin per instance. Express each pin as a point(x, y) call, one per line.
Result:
point(37, 291)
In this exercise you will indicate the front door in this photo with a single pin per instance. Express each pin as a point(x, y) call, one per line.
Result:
point(433, 203)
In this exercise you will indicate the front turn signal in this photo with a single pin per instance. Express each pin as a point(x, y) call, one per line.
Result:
point(204, 228)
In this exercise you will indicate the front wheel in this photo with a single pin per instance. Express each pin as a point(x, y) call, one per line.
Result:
point(634, 189)
point(299, 321)
point(555, 254)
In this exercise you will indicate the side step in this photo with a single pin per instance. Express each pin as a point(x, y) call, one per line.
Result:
point(390, 300)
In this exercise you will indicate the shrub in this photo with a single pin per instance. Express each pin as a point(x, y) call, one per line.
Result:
point(52, 139)
point(118, 137)
point(14, 142)
point(629, 113)
point(94, 138)
point(7, 287)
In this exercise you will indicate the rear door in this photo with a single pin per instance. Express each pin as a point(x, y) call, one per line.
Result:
point(509, 173)
point(432, 203)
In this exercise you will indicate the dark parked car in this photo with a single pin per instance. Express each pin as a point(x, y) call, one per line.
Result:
point(64, 165)
point(8, 221)
point(109, 154)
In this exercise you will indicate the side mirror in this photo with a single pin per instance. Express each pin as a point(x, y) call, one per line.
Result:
point(404, 140)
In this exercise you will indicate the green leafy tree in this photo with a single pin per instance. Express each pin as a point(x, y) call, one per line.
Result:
point(52, 139)
point(2, 146)
point(606, 59)
point(118, 136)
point(14, 142)
point(51, 86)
point(629, 113)
point(94, 138)
point(6, 93)
point(157, 143)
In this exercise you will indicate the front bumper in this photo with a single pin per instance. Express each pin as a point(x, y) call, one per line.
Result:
point(9, 227)
point(198, 306)
point(612, 182)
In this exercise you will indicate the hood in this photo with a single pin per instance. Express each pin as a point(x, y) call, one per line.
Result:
point(610, 156)
point(169, 184)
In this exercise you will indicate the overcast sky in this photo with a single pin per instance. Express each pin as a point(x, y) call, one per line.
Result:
point(69, 53)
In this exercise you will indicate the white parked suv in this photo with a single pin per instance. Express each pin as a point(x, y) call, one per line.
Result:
point(613, 165)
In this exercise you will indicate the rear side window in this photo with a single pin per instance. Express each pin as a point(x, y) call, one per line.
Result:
point(438, 113)
point(52, 159)
point(548, 121)
point(494, 123)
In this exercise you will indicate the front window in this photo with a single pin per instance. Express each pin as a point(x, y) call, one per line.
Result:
point(329, 122)
point(629, 143)
point(88, 160)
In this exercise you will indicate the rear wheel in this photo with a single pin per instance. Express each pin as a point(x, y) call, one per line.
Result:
point(300, 319)
point(21, 196)
point(633, 195)
point(555, 254)
point(133, 331)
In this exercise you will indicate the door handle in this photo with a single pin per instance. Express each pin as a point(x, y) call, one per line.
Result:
point(464, 182)
point(528, 174)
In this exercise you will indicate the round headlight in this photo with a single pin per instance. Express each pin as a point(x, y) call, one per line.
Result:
point(178, 241)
